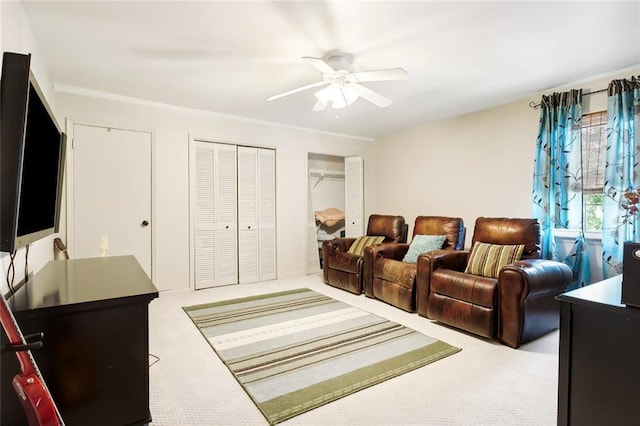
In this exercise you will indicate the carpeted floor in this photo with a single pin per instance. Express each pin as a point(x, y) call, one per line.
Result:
point(485, 384)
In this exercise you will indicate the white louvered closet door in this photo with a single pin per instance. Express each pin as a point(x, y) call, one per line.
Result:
point(267, 214)
point(248, 215)
point(226, 193)
point(354, 198)
point(214, 218)
point(256, 214)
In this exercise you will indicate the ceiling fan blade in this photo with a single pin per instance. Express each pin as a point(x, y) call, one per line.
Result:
point(379, 75)
point(369, 95)
point(299, 89)
point(319, 64)
point(319, 106)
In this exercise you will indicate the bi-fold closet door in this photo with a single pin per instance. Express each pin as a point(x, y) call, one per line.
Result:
point(354, 197)
point(233, 214)
point(256, 214)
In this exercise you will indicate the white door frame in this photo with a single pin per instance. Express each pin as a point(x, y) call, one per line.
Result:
point(311, 235)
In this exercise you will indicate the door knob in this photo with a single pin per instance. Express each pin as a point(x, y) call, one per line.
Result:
point(144, 223)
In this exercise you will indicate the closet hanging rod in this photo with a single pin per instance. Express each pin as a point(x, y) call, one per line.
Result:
point(321, 173)
point(534, 105)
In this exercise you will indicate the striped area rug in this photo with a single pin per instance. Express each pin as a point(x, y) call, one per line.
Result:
point(296, 350)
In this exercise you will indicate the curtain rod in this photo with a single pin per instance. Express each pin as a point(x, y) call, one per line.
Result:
point(534, 105)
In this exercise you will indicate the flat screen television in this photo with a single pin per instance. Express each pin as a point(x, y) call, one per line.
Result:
point(32, 154)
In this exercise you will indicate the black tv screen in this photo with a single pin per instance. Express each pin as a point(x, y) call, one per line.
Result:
point(32, 149)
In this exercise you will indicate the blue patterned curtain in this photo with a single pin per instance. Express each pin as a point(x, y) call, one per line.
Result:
point(557, 178)
point(621, 175)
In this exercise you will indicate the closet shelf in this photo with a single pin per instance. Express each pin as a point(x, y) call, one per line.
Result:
point(326, 174)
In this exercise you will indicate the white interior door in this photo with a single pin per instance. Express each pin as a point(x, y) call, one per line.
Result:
point(248, 215)
point(226, 214)
point(354, 198)
point(256, 214)
point(111, 194)
point(267, 214)
point(214, 219)
point(233, 221)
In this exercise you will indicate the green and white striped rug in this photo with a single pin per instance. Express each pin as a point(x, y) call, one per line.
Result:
point(296, 350)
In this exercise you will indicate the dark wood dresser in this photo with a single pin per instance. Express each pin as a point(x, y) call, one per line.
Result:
point(599, 370)
point(95, 357)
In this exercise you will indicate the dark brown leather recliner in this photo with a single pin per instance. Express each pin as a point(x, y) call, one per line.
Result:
point(391, 280)
point(516, 307)
point(344, 270)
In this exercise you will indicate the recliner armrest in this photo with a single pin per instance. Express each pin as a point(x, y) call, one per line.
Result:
point(534, 277)
point(329, 249)
point(429, 262)
point(394, 251)
point(526, 298)
point(446, 259)
point(339, 244)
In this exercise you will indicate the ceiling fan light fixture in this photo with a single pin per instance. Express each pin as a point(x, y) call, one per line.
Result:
point(343, 85)
point(337, 96)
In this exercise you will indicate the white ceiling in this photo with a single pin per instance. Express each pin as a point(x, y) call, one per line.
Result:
point(230, 56)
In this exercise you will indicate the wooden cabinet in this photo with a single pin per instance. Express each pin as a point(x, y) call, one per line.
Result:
point(599, 358)
point(95, 358)
point(233, 219)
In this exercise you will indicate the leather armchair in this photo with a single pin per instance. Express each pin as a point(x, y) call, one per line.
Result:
point(344, 270)
point(393, 281)
point(516, 307)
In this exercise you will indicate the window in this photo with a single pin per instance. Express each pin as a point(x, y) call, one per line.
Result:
point(594, 145)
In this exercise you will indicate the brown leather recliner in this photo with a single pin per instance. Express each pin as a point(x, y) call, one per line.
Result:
point(516, 307)
point(391, 280)
point(344, 270)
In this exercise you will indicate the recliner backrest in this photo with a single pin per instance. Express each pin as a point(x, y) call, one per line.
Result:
point(452, 227)
point(391, 227)
point(509, 231)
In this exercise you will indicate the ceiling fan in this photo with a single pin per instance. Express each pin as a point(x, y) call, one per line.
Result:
point(343, 83)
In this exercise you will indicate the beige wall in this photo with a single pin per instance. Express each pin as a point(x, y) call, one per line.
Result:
point(474, 165)
point(171, 128)
point(479, 164)
point(469, 166)
point(16, 36)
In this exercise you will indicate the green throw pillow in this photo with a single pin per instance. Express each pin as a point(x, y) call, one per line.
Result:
point(360, 243)
point(423, 244)
point(488, 259)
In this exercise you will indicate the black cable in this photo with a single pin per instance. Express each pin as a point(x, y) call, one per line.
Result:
point(26, 263)
point(11, 272)
point(157, 359)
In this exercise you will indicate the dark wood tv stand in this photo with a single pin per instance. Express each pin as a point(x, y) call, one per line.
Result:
point(599, 364)
point(95, 358)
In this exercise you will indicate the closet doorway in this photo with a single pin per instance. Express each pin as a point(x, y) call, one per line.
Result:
point(334, 202)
